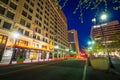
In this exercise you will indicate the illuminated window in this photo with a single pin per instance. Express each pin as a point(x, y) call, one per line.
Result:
point(1, 38)
point(4, 40)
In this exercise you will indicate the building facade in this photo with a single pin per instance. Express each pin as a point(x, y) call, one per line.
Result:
point(41, 25)
point(109, 29)
point(73, 42)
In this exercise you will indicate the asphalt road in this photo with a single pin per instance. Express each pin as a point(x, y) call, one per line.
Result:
point(55, 70)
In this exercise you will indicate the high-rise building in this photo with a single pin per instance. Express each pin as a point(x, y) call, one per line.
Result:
point(41, 25)
point(109, 29)
point(73, 42)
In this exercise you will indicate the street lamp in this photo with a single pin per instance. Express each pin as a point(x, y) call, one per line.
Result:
point(56, 48)
point(15, 36)
point(90, 43)
point(103, 17)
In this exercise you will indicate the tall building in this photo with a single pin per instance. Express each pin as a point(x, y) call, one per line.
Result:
point(109, 29)
point(41, 25)
point(73, 42)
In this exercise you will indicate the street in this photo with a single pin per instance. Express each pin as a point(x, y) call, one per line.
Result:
point(71, 69)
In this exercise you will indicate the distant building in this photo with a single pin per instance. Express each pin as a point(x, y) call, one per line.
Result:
point(109, 29)
point(41, 25)
point(73, 42)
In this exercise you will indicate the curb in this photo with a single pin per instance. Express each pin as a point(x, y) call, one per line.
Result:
point(114, 71)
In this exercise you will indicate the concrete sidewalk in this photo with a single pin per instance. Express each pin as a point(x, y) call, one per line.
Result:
point(93, 74)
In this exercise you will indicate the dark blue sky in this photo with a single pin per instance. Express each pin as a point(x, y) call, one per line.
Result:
point(83, 29)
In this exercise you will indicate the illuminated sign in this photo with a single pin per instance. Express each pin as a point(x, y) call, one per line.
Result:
point(97, 26)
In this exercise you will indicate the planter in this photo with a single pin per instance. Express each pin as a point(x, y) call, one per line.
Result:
point(20, 60)
point(99, 63)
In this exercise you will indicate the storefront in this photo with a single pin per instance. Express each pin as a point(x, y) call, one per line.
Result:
point(22, 51)
point(3, 40)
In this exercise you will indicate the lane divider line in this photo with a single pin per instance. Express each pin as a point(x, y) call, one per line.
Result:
point(85, 70)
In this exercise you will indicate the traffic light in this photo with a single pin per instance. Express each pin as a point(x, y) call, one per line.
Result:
point(71, 51)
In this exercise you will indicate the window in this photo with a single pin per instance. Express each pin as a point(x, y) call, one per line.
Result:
point(37, 15)
point(3, 39)
point(17, 0)
point(34, 36)
point(28, 25)
point(10, 15)
point(32, 4)
point(40, 18)
point(0, 21)
point(13, 6)
point(28, 1)
point(2, 10)
point(46, 35)
point(38, 38)
point(41, 7)
point(22, 22)
point(26, 33)
point(29, 17)
point(5, 1)
point(39, 31)
point(38, 10)
point(31, 10)
point(24, 13)
point(41, 13)
point(39, 24)
point(25, 6)
point(38, 4)
point(7, 25)
point(36, 21)
point(20, 31)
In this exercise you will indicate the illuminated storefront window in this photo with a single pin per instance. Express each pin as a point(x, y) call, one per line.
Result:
point(3, 39)
point(22, 43)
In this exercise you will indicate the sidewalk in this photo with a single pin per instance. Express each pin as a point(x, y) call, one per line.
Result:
point(93, 74)
point(112, 74)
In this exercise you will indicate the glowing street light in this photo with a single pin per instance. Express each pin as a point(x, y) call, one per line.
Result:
point(103, 16)
point(91, 42)
point(67, 49)
point(15, 35)
point(56, 47)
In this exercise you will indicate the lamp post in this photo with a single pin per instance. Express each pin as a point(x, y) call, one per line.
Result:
point(103, 17)
point(15, 36)
point(90, 43)
point(57, 47)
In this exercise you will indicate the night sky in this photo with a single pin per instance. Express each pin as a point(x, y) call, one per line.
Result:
point(83, 29)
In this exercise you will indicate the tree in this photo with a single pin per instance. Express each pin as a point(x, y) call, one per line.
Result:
point(84, 5)
point(115, 44)
point(97, 47)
